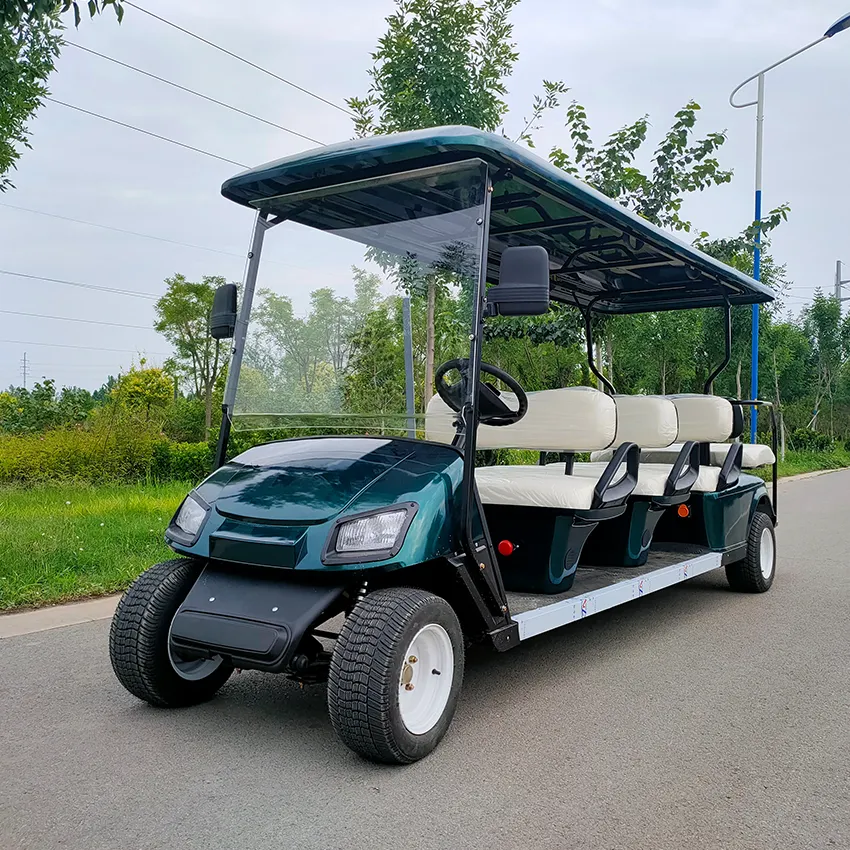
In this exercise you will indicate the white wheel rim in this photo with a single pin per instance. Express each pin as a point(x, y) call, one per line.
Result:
point(766, 553)
point(425, 679)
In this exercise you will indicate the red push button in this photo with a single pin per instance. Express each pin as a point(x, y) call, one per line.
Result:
point(505, 548)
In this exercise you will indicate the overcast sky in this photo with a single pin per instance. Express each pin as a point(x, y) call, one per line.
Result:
point(621, 58)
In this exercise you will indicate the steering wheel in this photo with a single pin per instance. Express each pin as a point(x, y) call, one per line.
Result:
point(491, 409)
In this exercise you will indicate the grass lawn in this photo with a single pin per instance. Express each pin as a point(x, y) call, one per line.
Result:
point(69, 541)
point(796, 463)
point(63, 542)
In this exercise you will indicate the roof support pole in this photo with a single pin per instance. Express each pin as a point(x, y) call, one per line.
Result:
point(708, 389)
point(588, 333)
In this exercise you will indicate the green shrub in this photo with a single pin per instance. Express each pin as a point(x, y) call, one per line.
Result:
point(807, 440)
point(184, 421)
point(190, 461)
point(100, 456)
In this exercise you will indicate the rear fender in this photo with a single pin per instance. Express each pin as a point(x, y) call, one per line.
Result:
point(254, 618)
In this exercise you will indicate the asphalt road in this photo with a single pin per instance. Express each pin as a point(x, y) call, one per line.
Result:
point(694, 718)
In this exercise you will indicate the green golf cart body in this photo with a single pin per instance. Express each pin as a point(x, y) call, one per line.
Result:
point(383, 514)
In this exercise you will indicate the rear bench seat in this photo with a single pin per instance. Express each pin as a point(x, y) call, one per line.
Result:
point(703, 419)
point(651, 422)
point(754, 455)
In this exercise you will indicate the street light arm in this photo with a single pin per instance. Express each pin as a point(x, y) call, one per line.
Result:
point(769, 68)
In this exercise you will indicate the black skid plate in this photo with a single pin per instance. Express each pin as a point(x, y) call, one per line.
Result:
point(256, 619)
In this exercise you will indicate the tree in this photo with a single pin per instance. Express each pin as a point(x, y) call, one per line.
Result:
point(303, 358)
point(440, 62)
point(183, 319)
point(42, 407)
point(144, 390)
point(829, 338)
point(14, 13)
point(28, 51)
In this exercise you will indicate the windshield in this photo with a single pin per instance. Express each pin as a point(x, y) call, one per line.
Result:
point(351, 288)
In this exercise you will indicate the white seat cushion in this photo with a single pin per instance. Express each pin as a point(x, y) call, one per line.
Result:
point(704, 418)
point(706, 482)
point(532, 486)
point(578, 419)
point(651, 481)
point(754, 455)
point(648, 420)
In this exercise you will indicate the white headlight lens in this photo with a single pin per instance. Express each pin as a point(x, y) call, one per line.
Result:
point(376, 532)
point(191, 517)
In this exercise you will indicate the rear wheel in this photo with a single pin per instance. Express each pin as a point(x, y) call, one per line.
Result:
point(139, 641)
point(396, 674)
point(754, 574)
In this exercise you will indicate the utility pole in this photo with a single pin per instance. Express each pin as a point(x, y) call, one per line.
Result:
point(25, 369)
point(839, 283)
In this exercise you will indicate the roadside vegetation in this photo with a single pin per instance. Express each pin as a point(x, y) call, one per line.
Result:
point(64, 542)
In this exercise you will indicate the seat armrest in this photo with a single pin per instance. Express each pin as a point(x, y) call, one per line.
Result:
point(684, 472)
point(730, 472)
point(610, 495)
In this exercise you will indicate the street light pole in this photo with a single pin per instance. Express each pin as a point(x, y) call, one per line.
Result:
point(839, 26)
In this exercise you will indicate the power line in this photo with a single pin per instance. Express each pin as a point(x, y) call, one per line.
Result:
point(82, 285)
point(72, 365)
point(127, 232)
point(147, 132)
point(193, 92)
point(85, 347)
point(241, 59)
point(239, 256)
point(71, 319)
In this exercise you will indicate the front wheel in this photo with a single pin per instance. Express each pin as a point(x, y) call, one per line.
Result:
point(395, 675)
point(754, 574)
point(140, 647)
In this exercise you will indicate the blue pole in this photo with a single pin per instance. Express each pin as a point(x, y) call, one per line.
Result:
point(754, 366)
point(754, 351)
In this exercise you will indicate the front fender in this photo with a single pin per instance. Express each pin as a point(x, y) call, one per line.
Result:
point(255, 619)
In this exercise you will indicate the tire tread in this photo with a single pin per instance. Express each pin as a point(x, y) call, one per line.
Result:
point(361, 680)
point(136, 649)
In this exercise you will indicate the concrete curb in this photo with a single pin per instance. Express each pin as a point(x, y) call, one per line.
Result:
point(57, 616)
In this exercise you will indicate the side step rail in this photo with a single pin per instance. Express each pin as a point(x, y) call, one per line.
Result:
point(566, 611)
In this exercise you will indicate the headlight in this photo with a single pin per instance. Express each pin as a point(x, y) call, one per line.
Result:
point(371, 536)
point(191, 516)
point(376, 532)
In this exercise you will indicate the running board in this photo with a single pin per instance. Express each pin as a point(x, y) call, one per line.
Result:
point(547, 617)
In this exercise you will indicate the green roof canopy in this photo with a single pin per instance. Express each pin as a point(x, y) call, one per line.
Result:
point(602, 256)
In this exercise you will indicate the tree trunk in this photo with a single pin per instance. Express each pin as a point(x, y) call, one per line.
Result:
point(609, 351)
point(663, 377)
point(208, 408)
point(738, 381)
point(429, 343)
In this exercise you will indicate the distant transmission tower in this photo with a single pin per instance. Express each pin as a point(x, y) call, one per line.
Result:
point(25, 369)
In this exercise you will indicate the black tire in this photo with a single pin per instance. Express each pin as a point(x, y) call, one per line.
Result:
point(746, 575)
point(138, 639)
point(366, 674)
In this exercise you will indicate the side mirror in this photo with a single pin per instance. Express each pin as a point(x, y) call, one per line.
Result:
point(523, 288)
point(223, 315)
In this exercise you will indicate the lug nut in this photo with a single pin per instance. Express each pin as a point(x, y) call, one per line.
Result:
point(408, 686)
point(413, 659)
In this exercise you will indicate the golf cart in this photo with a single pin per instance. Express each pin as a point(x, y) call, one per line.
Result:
point(370, 504)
